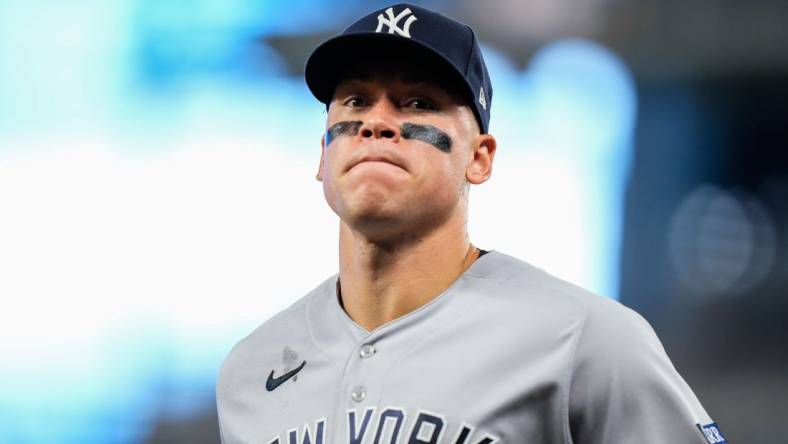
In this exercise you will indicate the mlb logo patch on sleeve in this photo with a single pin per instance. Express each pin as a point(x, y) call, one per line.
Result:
point(712, 433)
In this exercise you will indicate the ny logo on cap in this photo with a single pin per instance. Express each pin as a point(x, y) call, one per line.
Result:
point(392, 22)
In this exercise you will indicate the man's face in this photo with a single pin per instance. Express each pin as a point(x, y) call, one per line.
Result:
point(396, 153)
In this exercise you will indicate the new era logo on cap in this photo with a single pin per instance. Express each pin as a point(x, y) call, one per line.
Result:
point(391, 22)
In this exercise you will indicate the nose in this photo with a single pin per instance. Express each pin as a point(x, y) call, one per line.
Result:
point(380, 123)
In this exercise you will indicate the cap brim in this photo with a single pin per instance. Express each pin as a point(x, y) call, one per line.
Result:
point(332, 59)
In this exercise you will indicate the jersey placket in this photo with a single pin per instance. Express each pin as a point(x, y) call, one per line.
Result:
point(366, 415)
point(363, 403)
point(360, 390)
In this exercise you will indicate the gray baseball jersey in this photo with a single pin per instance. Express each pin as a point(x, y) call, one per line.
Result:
point(508, 353)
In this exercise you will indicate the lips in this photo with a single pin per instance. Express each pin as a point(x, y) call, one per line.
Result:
point(376, 158)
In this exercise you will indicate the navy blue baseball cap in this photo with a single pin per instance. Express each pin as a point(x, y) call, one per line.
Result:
point(405, 30)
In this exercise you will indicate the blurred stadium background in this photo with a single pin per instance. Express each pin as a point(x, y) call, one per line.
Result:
point(158, 201)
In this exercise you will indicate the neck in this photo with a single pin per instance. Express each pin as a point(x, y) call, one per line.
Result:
point(382, 281)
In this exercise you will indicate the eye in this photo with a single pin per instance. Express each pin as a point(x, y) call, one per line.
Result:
point(420, 103)
point(355, 101)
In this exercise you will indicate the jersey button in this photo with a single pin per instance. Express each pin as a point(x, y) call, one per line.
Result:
point(367, 351)
point(358, 394)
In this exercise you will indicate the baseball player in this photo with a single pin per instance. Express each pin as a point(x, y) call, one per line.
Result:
point(422, 337)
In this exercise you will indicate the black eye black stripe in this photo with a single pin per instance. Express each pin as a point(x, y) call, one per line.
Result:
point(428, 134)
point(425, 133)
point(346, 127)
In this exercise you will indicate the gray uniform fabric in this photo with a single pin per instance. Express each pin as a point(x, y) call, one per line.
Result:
point(508, 353)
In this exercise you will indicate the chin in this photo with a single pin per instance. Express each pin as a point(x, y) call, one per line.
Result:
point(371, 200)
point(371, 214)
point(381, 213)
point(376, 219)
point(383, 225)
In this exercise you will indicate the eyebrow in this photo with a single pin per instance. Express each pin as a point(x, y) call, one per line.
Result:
point(410, 79)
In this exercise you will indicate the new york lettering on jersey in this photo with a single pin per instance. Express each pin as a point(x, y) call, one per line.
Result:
point(389, 427)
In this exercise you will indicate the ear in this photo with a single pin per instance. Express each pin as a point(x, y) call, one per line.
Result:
point(480, 166)
point(319, 175)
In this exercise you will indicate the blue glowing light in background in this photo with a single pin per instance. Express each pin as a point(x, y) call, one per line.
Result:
point(148, 170)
